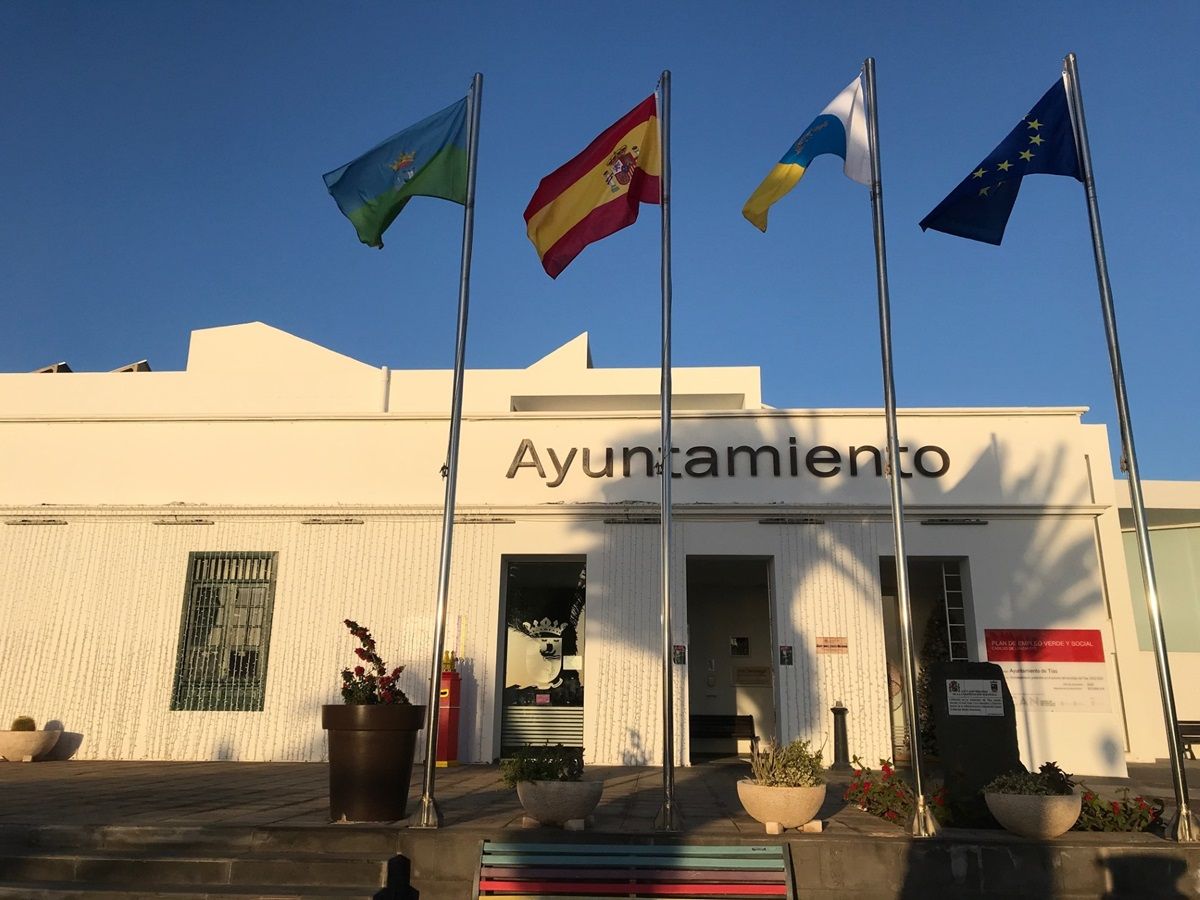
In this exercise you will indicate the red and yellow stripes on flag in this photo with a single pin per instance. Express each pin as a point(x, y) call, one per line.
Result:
point(599, 191)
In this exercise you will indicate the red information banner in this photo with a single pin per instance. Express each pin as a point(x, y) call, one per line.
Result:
point(1082, 645)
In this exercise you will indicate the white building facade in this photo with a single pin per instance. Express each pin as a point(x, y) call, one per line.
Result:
point(182, 547)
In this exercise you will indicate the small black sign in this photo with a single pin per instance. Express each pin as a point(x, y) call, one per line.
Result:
point(679, 655)
point(785, 654)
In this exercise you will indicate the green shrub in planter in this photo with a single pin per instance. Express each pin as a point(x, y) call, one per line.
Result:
point(1048, 781)
point(543, 763)
point(24, 723)
point(794, 765)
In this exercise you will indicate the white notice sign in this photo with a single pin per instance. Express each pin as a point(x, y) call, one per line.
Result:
point(974, 697)
point(1059, 687)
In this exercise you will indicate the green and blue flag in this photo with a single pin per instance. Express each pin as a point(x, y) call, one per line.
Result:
point(428, 159)
point(1042, 144)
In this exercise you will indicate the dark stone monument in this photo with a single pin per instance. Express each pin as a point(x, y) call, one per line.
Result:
point(976, 726)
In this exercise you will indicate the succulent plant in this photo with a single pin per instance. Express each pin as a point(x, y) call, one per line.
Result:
point(24, 723)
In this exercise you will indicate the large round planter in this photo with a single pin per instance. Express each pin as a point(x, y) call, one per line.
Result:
point(371, 749)
point(1034, 816)
point(26, 746)
point(786, 807)
point(559, 802)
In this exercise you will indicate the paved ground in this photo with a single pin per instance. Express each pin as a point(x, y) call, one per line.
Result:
point(82, 792)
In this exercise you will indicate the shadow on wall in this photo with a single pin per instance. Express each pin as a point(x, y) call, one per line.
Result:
point(634, 754)
point(68, 742)
point(1143, 875)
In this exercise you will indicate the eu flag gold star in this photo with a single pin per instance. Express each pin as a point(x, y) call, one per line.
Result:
point(983, 192)
point(1036, 139)
point(1034, 124)
point(978, 173)
point(1027, 155)
point(1004, 166)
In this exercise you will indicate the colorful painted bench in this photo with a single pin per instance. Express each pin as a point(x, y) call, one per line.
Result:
point(522, 871)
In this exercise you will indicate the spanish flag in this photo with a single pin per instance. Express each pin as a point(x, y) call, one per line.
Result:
point(598, 192)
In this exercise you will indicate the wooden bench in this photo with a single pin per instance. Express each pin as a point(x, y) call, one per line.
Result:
point(704, 727)
point(1189, 733)
point(557, 871)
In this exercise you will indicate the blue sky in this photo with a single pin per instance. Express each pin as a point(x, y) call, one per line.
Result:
point(163, 173)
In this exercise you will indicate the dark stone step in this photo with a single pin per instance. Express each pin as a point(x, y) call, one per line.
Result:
point(48, 890)
point(211, 840)
point(183, 868)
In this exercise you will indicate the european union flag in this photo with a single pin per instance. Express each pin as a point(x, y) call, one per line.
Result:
point(1042, 144)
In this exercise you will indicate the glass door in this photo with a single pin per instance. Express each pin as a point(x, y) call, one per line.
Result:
point(543, 656)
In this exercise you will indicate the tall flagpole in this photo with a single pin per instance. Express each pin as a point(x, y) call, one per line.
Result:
point(923, 823)
point(668, 816)
point(430, 816)
point(1182, 827)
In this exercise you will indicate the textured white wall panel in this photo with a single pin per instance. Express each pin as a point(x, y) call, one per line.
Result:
point(622, 718)
point(93, 615)
point(827, 579)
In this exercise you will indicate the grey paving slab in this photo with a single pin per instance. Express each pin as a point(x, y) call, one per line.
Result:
point(93, 792)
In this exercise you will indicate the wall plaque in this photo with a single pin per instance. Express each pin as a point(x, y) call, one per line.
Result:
point(833, 645)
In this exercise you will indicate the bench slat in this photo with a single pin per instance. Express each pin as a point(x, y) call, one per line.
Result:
point(554, 873)
point(732, 850)
point(621, 859)
point(565, 871)
point(648, 890)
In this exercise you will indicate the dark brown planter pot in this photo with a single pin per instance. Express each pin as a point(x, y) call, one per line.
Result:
point(371, 750)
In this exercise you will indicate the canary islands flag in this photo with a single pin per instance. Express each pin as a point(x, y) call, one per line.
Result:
point(428, 159)
point(840, 129)
point(1043, 143)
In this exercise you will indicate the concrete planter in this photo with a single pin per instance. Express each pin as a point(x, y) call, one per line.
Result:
point(26, 746)
point(1034, 816)
point(563, 803)
point(780, 807)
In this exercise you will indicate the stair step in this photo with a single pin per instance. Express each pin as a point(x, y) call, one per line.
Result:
point(183, 867)
point(364, 839)
point(55, 890)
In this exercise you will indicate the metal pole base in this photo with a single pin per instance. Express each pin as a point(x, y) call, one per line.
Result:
point(668, 818)
point(1182, 829)
point(923, 824)
point(430, 816)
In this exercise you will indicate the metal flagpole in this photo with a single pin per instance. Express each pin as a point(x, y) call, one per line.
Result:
point(668, 816)
point(430, 816)
point(1182, 827)
point(923, 823)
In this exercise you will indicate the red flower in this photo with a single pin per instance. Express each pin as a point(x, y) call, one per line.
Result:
point(359, 671)
point(1116, 807)
point(1089, 797)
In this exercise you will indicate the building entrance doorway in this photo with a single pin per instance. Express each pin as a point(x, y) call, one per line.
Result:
point(941, 633)
point(544, 602)
point(732, 667)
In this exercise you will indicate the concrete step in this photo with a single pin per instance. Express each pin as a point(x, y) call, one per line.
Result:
point(182, 867)
point(363, 839)
point(50, 890)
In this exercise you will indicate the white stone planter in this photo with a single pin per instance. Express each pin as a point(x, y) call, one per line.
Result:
point(1034, 816)
point(25, 746)
point(563, 803)
point(780, 807)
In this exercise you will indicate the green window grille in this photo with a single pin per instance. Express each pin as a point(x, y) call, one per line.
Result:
point(225, 632)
